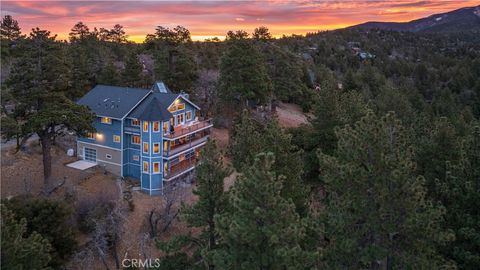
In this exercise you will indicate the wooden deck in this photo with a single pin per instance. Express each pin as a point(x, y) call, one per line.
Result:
point(186, 129)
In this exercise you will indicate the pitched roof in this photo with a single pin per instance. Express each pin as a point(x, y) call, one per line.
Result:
point(154, 107)
point(112, 101)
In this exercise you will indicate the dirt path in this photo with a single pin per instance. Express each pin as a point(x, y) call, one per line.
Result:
point(290, 115)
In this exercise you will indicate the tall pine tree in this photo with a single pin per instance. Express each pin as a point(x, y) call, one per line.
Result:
point(261, 230)
point(376, 213)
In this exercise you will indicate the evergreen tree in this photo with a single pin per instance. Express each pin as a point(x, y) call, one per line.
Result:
point(109, 75)
point(132, 74)
point(243, 75)
point(19, 249)
point(270, 138)
point(9, 29)
point(262, 229)
point(79, 32)
point(261, 33)
point(460, 194)
point(39, 83)
point(210, 174)
point(176, 67)
point(50, 219)
point(376, 212)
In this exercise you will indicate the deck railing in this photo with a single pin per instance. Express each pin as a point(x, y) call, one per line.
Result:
point(179, 168)
point(182, 130)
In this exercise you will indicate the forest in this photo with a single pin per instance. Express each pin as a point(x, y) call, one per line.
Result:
point(386, 174)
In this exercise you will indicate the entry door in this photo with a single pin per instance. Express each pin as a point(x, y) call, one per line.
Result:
point(90, 154)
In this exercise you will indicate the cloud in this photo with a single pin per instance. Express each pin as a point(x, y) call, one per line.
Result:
point(214, 18)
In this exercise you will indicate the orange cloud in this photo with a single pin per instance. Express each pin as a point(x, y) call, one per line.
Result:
point(213, 18)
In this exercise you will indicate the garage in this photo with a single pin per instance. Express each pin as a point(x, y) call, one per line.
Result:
point(90, 154)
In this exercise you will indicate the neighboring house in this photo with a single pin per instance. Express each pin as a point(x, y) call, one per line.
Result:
point(153, 135)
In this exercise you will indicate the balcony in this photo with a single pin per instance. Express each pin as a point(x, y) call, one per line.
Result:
point(178, 169)
point(183, 130)
point(195, 141)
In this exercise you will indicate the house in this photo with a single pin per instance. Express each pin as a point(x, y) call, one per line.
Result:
point(150, 135)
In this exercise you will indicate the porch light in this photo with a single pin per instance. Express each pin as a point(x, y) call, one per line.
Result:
point(99, 136)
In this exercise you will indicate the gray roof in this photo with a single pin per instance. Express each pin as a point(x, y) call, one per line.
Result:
point(154, 107)
point(112, 101)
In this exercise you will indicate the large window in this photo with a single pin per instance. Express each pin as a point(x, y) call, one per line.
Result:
point(106, 120)
point(180, 119)
point(165, 127)
point(145, 167)
point(156, 148)
point(156, 126)
point(156, 167)
point(136, 139)
point(135, 122)
point(145, 147)
point(145, 126)
point(180, 106)
point(116, 138)
point(188, 115)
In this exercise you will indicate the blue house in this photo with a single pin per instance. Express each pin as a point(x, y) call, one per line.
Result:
point(151, 135)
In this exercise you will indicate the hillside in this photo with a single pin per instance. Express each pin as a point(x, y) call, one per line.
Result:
point(464, 19)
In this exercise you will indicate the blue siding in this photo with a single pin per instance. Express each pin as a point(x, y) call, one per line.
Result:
point(104, 134)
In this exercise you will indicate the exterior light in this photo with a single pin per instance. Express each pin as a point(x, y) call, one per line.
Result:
point(99, 136)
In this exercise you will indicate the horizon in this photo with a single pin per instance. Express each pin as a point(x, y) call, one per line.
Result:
point(209, 19)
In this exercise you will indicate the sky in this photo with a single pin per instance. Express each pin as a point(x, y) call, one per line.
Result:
point(207, 19)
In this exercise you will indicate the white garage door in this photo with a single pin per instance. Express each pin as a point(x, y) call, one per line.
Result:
point(90, 154)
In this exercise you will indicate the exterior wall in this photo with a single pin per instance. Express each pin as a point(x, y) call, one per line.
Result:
point(105, 133)
point(151, 181)
point(188, 107)
point(131, 167)
point(113, 165)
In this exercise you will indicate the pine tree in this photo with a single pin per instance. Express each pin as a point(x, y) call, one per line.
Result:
point(460, 194)
point(39, 83)
point(109, 75)
point(262, 229)
point(376, 213)
point(270, 137)
point(79, 32)
point(243, 74)
point(51, 220)
point(19, 250)
point(210, 174)
point(132, 74)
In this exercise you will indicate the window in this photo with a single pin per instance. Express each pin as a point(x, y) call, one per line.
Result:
point(135, 122)
point(180, 106)
point(180, 119)
point(165, 126)
point(116, 138)
point(189, 115)
point(156, 167)
point(91, 135)
point(136, 157)
point(156, 148)
point(145, 147)
point(172, 108)
point(156, 126)
point(106, 120)
point(145, 126)
point(108, 156)
point(145, 167)
point(135, 139)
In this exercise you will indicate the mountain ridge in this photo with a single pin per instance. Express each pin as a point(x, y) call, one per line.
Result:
point(463, 19)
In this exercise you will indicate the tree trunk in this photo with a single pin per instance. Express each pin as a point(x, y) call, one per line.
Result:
point(47, 159)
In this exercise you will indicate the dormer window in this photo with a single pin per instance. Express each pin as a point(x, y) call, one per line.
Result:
point(135, 122)
point(106, 120)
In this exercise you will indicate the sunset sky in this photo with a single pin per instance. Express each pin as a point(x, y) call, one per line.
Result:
point(207, 19)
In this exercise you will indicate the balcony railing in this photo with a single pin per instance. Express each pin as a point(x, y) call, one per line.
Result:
point(179, 168)
point(182, 147)
point(186, 129)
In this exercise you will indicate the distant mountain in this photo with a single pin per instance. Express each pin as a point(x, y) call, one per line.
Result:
point(463, 19)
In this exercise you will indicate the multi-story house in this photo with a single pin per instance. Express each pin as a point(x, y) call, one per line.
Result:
point(151, 135)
